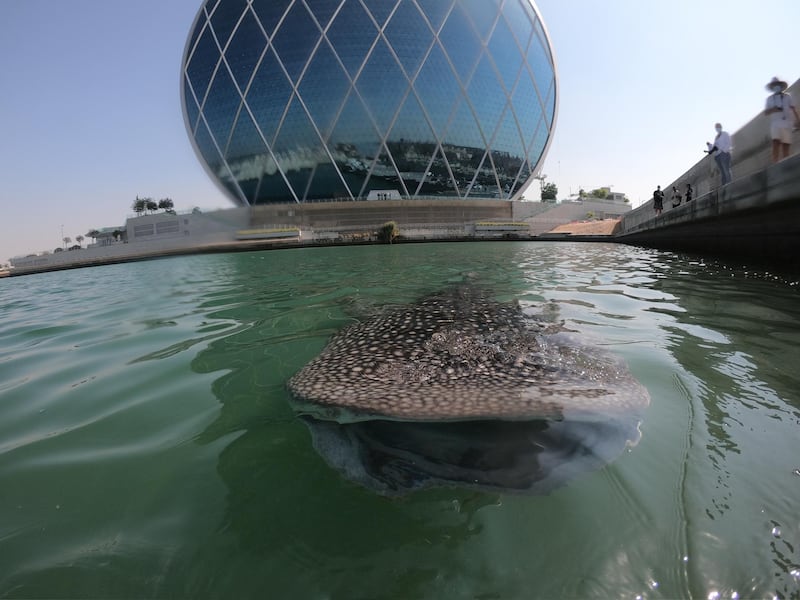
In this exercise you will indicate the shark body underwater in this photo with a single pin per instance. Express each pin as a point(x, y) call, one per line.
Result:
point(460, 390)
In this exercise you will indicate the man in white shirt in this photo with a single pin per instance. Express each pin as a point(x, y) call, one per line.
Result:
point(721, 149)
point(780, 107)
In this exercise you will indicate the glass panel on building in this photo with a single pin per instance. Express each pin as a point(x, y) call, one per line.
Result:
point(486, 96)
point(507, 137)
point(327, 183)
point(463, 130)
point(508, 152)
point(269, 95)
point(380, 9)
point(221, 106)
point(354, 143)
point(526, 103)
point(518, 21)
point(382, 175)
point(352, 34)
point(192, 110)
point(409, 36)
point(296, 136)
point(412, 144)
point(225, 17)
point(540, 67)
point(295, 39)
point(269, 13)
point(538, 142)
point(245, 49)
point(550, 104)
point(246, 139)
point(483, 183)
point(203, 62)
point(207, 147)
point(482, 15)
point(505, 55)
point(324, 88)
point(382, 85)
point(200, 25)
point(440, 181)
point(435, 10)
point(438, 90)
point(247, 154)
point(323, 10)
point(460, 43)
point(273, 188)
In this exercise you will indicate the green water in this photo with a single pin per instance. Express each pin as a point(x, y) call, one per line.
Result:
point(148, 447)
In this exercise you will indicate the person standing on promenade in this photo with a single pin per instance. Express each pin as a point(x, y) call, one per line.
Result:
point(689, 192)
point(658, 200)
point(676, 197)
point(721, 149)
point(780, 107)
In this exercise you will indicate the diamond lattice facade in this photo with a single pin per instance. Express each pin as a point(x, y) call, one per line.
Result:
point(295, 100)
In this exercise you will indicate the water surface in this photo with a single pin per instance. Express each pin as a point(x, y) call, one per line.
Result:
point(148, 447)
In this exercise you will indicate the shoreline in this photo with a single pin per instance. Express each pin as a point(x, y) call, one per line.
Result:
point(261, 245)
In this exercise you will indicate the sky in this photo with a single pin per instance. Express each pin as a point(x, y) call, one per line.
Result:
point(90, 114)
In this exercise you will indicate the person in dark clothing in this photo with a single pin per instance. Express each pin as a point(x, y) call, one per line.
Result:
point(676, 197)
point(689, 192)
point(658, 200)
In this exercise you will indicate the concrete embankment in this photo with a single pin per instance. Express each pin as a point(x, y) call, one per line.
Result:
point(753, 217)
point(757, 216)
point(323, 224)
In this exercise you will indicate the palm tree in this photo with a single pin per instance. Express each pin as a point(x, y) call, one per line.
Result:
point(93, 233)
point(79, 239)
point(67, 240)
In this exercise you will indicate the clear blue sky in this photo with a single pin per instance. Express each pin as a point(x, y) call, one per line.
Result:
point(90, 112)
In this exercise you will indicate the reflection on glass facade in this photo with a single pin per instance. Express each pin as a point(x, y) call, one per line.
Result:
point(294, 100)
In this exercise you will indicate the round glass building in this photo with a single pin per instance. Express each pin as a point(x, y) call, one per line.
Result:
point(297, 100)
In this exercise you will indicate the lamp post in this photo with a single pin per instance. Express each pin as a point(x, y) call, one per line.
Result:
point(541, 179)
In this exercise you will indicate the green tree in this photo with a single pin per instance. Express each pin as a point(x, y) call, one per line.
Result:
point(93, 233)
point(599, 193)
point(549, 191)
point(67, 240)
point(139, 205)
point(388, 232)
point(79, 239)
point(152, 205)
point(166, 205)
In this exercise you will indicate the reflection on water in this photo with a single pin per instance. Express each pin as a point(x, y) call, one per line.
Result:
point(148, 447)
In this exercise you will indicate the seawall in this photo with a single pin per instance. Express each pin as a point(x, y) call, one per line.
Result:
point(755, 216)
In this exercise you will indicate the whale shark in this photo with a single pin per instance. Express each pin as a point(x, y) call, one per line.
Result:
point(460, 389)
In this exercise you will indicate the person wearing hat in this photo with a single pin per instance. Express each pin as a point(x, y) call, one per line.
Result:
point(780, 107)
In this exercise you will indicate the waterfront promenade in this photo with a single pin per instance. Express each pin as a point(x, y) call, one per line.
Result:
point(756, 216)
